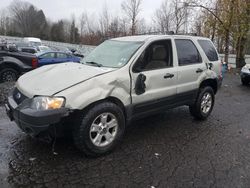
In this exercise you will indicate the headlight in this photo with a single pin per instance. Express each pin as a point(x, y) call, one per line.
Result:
point(47, 103)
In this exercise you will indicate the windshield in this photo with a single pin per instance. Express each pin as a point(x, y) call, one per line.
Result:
point(112, 53)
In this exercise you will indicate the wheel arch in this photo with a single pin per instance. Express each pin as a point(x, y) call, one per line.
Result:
point(13, 65)
point(210, 82)
point(114, 100)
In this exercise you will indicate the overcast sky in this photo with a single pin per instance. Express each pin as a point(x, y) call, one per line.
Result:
point(57, 9)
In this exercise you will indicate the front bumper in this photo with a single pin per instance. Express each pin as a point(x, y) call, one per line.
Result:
point(31, 121)
point(245, 76)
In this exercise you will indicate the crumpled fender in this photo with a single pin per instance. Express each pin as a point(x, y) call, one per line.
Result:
point(98, 88)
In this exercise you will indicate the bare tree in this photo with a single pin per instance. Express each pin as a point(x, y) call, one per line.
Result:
point(178, 15)
point(162, 17)
point(114, 28)
point(57, 32)
point(19, 11)
point(3, 22)
point(74, 34)
point(132, 9)
point(82, 23)
point(123, 26)
point(27, 18)
point(104, 21)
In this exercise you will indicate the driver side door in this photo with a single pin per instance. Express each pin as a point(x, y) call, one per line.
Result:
point(154, 79)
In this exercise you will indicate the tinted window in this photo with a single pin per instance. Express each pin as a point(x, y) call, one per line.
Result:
point(187, 52)
point(48, 55)
point(157, 55)
point(28, 50)
point(61, 55)
point(209, 50)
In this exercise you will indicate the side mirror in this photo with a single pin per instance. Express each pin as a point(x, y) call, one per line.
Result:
point(140, 84)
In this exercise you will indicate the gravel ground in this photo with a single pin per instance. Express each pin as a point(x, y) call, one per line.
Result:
point(4, 90)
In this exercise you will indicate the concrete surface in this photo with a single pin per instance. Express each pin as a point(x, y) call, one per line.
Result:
point(166, 150)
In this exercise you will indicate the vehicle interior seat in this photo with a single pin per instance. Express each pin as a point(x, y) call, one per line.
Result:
point(158, 59)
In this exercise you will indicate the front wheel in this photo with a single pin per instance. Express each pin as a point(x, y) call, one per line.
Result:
point(100, 129)
point(204, 104)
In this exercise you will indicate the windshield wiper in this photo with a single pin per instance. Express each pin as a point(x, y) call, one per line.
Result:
point(94, 63)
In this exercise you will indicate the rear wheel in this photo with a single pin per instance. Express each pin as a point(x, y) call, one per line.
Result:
point(204, 104)
point(100, 129)
point(8, 75)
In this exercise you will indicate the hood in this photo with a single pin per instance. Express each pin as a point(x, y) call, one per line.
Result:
point(51, 79)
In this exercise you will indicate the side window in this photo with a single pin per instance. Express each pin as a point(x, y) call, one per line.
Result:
point(48, 55)
point(61, 55)
point(157, 55)
point(209, 50)
point(187, 52)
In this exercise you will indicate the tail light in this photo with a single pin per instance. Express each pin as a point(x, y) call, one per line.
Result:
point(34, 63)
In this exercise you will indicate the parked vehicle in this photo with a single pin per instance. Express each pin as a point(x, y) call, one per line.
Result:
point(32, 41)
point(43, 48)
point(61, 49)
point(31, 50)
point(76, 53)
point(46, 58)
point(14, 63)
point(3, 47)
point(245, 75)
point(121, 80)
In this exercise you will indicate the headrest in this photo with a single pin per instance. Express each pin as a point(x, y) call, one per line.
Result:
point(159, 53)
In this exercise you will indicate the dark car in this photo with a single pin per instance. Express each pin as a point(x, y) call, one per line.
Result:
point(46, 58)
point(14, 63)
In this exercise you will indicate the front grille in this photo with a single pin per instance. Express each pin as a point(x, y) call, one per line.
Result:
point(18, 96)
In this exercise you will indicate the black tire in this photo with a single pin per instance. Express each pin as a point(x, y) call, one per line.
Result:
point(8, 75)
point(244, 81)
point(82, 135)
point(196, 109)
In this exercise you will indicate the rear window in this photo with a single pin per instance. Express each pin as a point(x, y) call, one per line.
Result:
point(61, 55)
point(209, 50)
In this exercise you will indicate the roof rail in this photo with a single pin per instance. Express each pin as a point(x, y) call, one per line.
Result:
point(192, 34)
point(166, 33)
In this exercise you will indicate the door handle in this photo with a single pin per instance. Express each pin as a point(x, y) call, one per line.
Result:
point(199, 70)
point(168, 75)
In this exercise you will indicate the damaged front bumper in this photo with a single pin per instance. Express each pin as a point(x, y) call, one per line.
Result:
point(31, 121)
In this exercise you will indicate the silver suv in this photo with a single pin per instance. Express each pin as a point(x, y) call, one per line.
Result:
point(121, 80)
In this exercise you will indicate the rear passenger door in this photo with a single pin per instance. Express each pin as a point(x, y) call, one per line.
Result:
point(190, 67)
point(46, 59)
point(62, 57)
point(212, 55)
